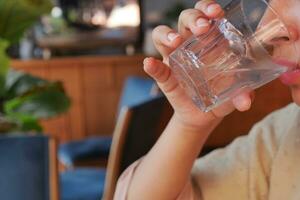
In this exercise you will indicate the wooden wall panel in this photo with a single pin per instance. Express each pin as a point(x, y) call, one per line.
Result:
point(35, 68)
point(97, 76)
point(100, 101)
point(39, 72)
point(70, 75)
point(94, 85)
point(129, 68)
point(100, 113)
point(57, 128)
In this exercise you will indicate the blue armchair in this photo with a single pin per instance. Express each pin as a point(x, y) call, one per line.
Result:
point(135, 90)
point(134, 135)
point(28, 168)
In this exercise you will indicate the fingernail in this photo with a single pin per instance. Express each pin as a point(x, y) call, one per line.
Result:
point(202, 22)
point(145, 61)
point(173, 36)
point(212, 8)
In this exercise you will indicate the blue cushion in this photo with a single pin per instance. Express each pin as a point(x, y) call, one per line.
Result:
point(82, 184)
point(136, 90)
point(91, 148)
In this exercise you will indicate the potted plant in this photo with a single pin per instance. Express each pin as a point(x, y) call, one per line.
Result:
point(24, 99)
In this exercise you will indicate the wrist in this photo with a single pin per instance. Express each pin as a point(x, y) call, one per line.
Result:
point(204, 128)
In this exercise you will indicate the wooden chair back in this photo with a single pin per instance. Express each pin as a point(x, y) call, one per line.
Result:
point(134, 136)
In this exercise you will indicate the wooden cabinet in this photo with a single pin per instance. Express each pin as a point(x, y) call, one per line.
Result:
point(94, 85)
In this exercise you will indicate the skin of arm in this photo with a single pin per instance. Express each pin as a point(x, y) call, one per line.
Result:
point(169, 163)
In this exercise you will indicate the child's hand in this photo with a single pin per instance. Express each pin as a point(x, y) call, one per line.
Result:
point(192, 21)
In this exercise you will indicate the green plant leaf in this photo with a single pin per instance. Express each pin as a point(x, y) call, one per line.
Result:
point(18, 15)
point(6, 125)
point(29, 98)
point(24, 98)
point(19, 83)
point(45, 103)
point(28, 123)
point(4, 59)
point(4, 63)
point(19, 122)
point(31, 125)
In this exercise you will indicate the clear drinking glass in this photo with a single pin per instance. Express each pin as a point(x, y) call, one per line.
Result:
point(242, 51)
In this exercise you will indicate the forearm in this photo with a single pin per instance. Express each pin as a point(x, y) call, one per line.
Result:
point(166, 168)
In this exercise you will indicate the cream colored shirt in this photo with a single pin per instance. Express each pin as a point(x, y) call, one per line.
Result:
point(264, 165)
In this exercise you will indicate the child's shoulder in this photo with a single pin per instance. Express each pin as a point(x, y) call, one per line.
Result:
point(281, 121)
point(286, 114)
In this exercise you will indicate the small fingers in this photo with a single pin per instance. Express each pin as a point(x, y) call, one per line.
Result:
point(210, 8)
point(197, 21)
point(161, 73)
point(192, 21)
point(165, 40)
point(241, 102)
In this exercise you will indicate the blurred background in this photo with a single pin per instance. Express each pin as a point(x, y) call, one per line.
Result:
point(97, 27)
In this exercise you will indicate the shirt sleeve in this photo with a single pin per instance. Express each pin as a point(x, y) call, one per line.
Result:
point(241, 170)
point(124, 181)
point(126, 178)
